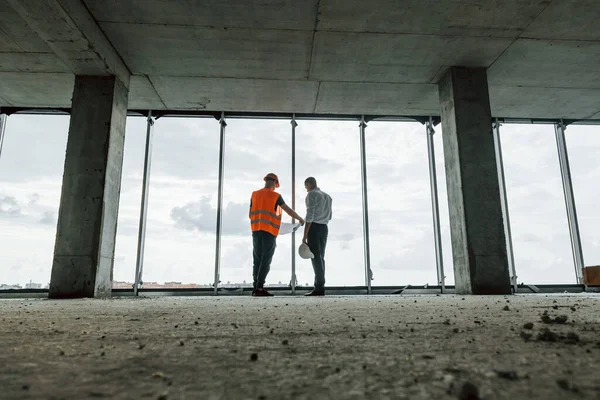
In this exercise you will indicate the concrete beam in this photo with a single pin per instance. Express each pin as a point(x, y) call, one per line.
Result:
point(31, 62)
point(143, 96)
point(183, 93)
point(543, 102)
point(24, 89)
point(4, 103)
point(87, 218)
point(72, 33)
point(377, 98)
point(476, 224)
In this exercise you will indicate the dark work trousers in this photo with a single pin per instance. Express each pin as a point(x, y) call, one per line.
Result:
point(264, 245)
point(317, 241)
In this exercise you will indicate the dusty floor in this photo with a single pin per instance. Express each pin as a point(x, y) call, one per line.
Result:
point(413, 347)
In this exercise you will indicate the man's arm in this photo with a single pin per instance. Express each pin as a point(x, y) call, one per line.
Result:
point(306, 229)
point(310, 214)
point(292, 213)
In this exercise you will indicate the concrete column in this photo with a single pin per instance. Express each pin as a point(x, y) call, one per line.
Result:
point(87, 220)
point(477, 229)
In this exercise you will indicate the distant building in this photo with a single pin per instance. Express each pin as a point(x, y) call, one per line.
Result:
point(4, 286)
point(33, 285)
point(122, 285)
point(181, 285)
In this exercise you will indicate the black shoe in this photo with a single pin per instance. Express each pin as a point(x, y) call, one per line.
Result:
point(316, 293)
point(260, 292)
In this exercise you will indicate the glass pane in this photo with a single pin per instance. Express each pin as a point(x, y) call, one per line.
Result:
point(330, 152)
point(536, 205)
point(31, 169)
point(402, 244)
point(180, 236)
point(129, 203)
point(254, 148)
point(583, 145)
point(440, 167)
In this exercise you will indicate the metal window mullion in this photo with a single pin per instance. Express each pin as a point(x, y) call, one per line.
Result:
point(504, 205)
point(223, 124)
point(3, 118)
point(565, 172)
point(435, 207)
point(365, 204)
point(139, 265)
point(294, 125)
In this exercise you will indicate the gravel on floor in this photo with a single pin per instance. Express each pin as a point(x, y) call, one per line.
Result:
point(336, 347)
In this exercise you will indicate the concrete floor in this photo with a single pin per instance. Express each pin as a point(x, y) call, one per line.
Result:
point(388, 347)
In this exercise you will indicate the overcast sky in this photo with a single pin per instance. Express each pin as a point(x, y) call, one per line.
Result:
point(180, 244)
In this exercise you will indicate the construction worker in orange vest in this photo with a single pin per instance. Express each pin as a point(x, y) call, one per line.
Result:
point(265, 220)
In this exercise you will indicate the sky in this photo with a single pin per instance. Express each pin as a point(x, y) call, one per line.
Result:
point(180, 236)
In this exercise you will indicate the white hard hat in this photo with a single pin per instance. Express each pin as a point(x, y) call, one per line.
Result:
point(305, 252)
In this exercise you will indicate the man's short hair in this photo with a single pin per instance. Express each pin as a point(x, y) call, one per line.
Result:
point(310, 181)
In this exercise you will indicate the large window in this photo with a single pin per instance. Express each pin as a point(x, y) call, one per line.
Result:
point(583, 145)
point(443, 205)
point(254, 148)
point(180, 235)
point(181, 225)
point(31, 168)
point(401, 230)
point(330, 152)
point(129, 203)
point(536, 204)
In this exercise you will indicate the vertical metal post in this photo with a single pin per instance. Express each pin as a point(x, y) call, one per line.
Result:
point(220, 204)
point(294, 125)
point(504, 205)
point(365, 204)
point(565, 172)
point(3, 118)
point(139, 264)
point(435, 207)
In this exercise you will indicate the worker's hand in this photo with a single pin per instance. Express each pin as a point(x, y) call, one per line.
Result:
point(301, 221)
point(305, 240)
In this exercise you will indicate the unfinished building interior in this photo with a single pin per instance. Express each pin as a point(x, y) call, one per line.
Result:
point(448, 309)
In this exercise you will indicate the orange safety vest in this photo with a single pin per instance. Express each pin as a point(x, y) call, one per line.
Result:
point(265, 214)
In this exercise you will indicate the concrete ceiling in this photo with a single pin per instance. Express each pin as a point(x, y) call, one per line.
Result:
point(380, 57)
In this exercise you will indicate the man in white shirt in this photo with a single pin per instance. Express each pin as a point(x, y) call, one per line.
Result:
point(318, 215)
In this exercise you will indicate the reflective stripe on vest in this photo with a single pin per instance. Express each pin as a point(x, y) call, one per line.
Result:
point(264, 221)
point(265, 215)
point(273, 215)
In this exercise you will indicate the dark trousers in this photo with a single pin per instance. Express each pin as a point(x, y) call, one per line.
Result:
point(317, 241)
point(264, 245)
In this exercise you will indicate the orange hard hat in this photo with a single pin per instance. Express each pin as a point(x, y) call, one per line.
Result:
point(274, 177)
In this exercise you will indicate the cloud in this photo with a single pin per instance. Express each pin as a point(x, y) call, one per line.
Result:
point(9, 206)
point(24, 162)
point(345, 237)
point(31, 209)
point(49, 218)
point(201, 216)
